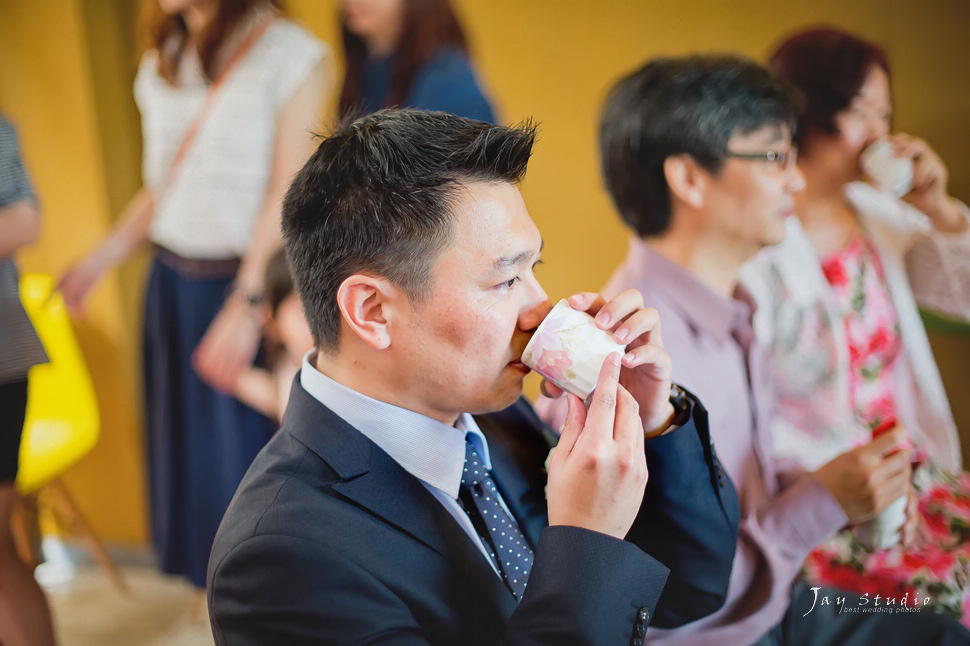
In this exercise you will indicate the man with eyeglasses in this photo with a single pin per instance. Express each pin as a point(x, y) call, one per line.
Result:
point(698, 158)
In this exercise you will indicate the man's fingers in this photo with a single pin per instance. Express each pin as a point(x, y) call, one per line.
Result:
point(653, 355)
point(627, 427)
point(575, 420)
point(550, 390)
point(620, 307)
point(589, 302)
point(642, 327)
point(602, 410)
point(624, 314)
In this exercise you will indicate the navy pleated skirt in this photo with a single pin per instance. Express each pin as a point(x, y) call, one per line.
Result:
point(200, 442)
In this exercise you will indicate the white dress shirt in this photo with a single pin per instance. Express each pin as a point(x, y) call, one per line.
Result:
point(431, 451)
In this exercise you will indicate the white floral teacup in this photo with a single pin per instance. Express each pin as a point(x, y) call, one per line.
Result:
point(569, 350)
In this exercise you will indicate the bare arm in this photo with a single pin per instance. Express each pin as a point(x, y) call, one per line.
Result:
point(20, 223)
point(128, 235)
point(232, 339)
point(294, 125)
point(257, 389)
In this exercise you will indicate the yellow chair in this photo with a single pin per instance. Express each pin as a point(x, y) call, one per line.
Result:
point(62, 422)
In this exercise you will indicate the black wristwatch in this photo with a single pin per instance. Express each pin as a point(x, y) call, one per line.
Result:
point(681, 403)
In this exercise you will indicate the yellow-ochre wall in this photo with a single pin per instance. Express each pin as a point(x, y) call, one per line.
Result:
point(47, 87)
point(66, 68)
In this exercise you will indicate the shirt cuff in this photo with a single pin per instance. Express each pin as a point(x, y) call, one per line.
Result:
point(805, 513)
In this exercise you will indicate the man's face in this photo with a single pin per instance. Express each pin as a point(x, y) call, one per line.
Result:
point(749, 199)
point(461, 346)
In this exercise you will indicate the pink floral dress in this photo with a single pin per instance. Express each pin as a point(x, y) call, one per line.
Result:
point(937, 569)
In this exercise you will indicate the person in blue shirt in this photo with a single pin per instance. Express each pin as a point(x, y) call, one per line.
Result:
point(408, 53)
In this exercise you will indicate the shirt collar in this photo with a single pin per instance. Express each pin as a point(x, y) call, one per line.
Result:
point(703, 308)
point(429, 450)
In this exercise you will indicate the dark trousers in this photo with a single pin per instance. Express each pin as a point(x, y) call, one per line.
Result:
point(13, 408)
point(832, 617)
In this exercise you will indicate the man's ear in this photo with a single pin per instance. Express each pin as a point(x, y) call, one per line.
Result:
point(365, 303)
point(686, 179)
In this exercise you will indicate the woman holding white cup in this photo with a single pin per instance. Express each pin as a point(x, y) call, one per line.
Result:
point(876, 232)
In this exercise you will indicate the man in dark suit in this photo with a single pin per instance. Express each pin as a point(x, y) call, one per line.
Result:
point(406, 500)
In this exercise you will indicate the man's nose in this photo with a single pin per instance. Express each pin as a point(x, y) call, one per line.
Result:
point(796, 180)
point(535, 309)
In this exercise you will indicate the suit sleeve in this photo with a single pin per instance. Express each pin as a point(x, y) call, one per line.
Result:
point(275, 589)
point(585, 588)
point(688, 521)
point(689, 518)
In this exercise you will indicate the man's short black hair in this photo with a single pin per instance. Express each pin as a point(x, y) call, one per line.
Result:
point(278, 283)
point(376, 198)
point(672, 106)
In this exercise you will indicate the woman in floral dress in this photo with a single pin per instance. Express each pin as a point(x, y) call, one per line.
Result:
point(839, 321)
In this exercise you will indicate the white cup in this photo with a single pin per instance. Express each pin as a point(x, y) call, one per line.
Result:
point(885, 530)
point(890, 173)
point(569, 350)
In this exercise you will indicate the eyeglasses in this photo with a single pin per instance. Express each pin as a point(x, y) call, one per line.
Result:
point(784, 158)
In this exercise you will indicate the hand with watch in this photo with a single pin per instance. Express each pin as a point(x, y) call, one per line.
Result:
point(680, 416)
point(230, 344)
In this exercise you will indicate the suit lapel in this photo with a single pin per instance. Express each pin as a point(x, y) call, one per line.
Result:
point(372, 480)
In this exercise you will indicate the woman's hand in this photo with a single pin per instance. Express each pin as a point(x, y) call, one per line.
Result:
point(229, 345)
point(930, 176)
point(78, 281)
point(127, 236)
point(867, 479)
point(914, 529)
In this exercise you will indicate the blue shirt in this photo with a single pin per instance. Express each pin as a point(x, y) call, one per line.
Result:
point(446, 82)
point(431, 451)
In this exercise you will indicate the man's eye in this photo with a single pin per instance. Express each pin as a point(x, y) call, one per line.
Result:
point(508, 284)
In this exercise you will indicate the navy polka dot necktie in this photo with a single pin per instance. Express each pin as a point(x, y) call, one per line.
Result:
point(499, 533)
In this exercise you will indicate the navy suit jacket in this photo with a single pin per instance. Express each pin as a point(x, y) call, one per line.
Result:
point(329, 541)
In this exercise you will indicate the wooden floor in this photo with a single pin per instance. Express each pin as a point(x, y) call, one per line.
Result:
point(157, 610)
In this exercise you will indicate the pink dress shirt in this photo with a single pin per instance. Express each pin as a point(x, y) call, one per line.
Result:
point(785, 511)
